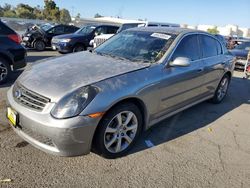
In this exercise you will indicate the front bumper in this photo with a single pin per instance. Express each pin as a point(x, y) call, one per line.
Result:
point(63, 137)
point(240, 64)
point(62, 47)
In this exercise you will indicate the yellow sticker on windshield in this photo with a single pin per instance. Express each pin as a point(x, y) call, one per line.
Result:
point(161, 36)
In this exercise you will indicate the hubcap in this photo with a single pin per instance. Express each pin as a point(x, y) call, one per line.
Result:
point(222, 89)
point(120, 131)
point(3, 71)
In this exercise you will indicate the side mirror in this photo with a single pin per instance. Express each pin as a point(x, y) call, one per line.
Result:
point(180, 62)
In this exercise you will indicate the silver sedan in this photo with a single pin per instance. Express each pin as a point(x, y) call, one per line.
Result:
point(104, 99)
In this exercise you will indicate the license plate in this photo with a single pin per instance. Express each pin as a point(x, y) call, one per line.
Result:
point(12, 116)
point(54, 47)
point(25, 38)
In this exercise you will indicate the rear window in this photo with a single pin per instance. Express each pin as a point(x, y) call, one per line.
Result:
point(5, 30)
point(210, 47)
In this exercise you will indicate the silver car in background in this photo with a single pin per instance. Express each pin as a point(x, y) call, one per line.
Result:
point(102, 100)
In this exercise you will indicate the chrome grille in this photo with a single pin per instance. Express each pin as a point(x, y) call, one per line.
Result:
point(29, 99)
point(99, 41)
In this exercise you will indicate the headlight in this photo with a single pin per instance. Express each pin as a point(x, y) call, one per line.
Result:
point(74, 103)
point(65, 40)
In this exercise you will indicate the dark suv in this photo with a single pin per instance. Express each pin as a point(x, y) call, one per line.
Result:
point(80, 40)
point(12, 54)
point(40, 37)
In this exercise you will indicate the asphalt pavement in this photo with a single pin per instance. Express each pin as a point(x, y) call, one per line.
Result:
point(205, 146)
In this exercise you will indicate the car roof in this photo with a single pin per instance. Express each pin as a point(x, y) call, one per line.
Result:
point(169, 30)
point(99, 24)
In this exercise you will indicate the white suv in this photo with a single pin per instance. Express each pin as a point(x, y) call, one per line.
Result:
point(98, 40)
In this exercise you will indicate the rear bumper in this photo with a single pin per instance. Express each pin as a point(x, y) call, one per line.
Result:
point(63, 137)
point(19, 57)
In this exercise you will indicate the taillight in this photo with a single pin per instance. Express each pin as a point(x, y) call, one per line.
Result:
point(15, 37)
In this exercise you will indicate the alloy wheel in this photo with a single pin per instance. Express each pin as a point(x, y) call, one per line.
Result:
point(3, 71)
point(120, 132)
point(222, 89)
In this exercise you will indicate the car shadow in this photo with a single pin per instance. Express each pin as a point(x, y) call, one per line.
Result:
point(195, 117)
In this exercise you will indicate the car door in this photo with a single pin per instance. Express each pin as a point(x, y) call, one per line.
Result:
point(57, 30)
point(214, 61)
point(181, 86)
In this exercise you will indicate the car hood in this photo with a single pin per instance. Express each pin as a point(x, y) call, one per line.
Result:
point(68, 36)
point(54, 78)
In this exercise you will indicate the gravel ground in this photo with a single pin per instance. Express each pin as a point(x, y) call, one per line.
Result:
point(205, 146)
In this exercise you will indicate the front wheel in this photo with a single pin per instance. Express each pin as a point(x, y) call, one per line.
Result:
point(39, 45)
point(78, 48)
point(4, 70)
point(118, 131)
point(221, 90)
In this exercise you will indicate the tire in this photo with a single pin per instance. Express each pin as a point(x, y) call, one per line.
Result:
point(110, 132)
point(5, 70)
point(39, 45)
point(79, 48)
point(221, 90)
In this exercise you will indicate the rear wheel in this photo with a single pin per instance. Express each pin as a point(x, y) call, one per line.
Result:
point(4, 70)
point(39, 45)
point(221, 90)
point(79, 48)
point(118, 131)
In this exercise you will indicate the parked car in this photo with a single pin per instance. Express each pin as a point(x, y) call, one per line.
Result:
point(160, 24)
point(12, 54)
point(98, 40)
point(80, 40)
point(103, 100)
point(240, 51)
point(40, 36)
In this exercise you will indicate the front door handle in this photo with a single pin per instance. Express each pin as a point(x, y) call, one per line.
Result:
point(200, 70)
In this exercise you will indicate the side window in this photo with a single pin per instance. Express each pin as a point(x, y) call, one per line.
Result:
point(188, 47)
point(69, 29)
point(112, 30)
point(219, 48)
point(208, 46)
point(59, 30)
point(101, 30)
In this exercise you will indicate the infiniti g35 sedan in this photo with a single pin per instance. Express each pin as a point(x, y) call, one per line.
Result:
point(102, 100)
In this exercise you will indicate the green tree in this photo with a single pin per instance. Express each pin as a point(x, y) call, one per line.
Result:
point(97, 15)
point(38, 11)
point(51, 12)
point(1, 11)
point(25, 11)
point(65, 16)
point(213, 30)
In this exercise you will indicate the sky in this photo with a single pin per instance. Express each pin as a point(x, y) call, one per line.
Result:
point(192, 12)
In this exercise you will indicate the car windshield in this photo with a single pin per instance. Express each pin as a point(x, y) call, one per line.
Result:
point(136, 46)
point(85, 30)
point(45, 27)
